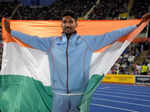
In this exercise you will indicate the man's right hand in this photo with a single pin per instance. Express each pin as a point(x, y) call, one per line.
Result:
point(7, 25)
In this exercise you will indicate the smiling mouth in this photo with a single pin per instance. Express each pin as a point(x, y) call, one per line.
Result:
point(68, 28)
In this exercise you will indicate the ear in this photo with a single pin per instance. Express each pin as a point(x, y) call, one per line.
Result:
point(61, 24)
point(76, 23)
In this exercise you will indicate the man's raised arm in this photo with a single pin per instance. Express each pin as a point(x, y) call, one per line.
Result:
point(99, 41)
point(34, 41)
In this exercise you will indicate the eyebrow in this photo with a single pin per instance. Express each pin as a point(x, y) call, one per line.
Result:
point(68, 20)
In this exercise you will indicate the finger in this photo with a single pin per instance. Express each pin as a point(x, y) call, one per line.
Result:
point(146, 16)
point(6, 21)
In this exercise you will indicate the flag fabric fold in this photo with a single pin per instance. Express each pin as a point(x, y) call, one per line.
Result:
point(25, 83)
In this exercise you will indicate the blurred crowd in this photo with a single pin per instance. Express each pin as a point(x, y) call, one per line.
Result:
point(140, 7)
point(106, 9)
point(53, 11)
point(134, 58)
point(109, 10)
point(6, 9)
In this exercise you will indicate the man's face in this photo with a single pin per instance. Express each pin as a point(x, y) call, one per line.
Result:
point(69, 24)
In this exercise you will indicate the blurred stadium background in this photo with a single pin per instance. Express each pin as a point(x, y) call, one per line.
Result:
point(136, 58)
point(133, 66)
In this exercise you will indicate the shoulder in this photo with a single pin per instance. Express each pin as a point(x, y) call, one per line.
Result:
point(85, 37)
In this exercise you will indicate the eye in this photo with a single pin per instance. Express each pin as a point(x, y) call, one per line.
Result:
point(64, 21)
point(70, 21)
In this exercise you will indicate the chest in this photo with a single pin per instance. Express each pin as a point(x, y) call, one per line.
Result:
point(69, 46)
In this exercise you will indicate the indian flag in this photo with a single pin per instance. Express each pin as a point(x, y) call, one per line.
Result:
point(25, 84)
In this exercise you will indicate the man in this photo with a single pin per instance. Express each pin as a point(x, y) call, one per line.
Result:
point(69, 66)
point(144, 68)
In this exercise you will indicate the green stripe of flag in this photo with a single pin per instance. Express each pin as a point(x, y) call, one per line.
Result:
point(23, 94)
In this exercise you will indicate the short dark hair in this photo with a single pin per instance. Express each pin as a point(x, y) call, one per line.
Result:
point(69, 13)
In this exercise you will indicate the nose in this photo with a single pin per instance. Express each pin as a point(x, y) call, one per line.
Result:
point(67, 24)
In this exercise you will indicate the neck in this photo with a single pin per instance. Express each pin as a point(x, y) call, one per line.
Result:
point(68, 35)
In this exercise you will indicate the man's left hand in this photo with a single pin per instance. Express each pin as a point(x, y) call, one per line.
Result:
point(144, 18)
